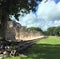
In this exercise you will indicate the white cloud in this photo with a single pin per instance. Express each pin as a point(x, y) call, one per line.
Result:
point(49, 10)
point(47, 15)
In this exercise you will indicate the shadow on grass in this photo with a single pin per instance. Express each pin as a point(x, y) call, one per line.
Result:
point(40, 51)
point(43, 51)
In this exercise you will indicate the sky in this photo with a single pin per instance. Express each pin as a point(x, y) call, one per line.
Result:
point(46, 15)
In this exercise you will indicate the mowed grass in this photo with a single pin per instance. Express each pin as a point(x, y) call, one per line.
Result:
point(48, 48)
point(50, 40)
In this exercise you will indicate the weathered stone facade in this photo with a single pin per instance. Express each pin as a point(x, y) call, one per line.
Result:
point(17, 32)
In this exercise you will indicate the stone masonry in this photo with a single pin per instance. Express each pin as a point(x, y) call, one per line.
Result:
point(17, 32)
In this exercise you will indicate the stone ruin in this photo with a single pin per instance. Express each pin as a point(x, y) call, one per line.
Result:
point(17, 32)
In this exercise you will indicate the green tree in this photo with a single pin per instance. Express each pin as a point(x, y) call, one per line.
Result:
point(13, 7)
point(53, 31)
point(35, 28)
point(57, 31)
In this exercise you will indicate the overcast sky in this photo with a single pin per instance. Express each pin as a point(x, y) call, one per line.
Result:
point(47, 15)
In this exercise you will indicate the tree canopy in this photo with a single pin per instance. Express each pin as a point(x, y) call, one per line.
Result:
point(53, 31)
point(12, 7)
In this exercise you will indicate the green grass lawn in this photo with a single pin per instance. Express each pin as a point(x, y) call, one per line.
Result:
point(48, 48)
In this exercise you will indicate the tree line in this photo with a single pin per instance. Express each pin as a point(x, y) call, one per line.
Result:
point(35, 28)
point(54, 31)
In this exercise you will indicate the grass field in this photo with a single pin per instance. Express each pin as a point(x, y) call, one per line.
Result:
point(48, 48)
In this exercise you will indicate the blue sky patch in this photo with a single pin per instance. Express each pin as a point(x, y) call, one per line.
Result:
point(57, 1)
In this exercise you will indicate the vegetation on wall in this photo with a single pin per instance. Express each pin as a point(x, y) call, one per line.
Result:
point(35, 28)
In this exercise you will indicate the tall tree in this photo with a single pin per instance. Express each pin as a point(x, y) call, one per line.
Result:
point(13, 7)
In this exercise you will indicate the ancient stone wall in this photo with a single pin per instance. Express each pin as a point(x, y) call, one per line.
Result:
point(17, 32)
